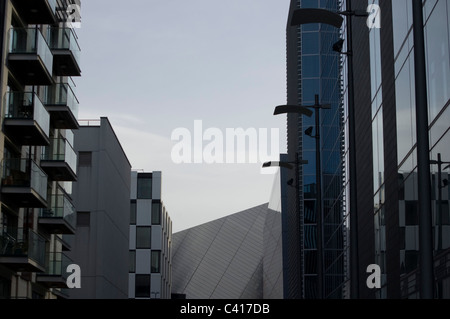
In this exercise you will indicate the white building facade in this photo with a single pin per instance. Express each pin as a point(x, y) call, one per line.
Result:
point(150, 239)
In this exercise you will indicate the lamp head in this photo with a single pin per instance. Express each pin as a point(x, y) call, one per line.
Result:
point(309, 131)
point(267, 164)
point(337, 47)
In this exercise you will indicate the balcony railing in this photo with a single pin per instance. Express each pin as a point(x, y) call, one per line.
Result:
point(55, 274)
point(60, 216)
point(26, 119)
point(66, 51)
point(59, 160)
point(62, 104)
point(30, 57)
point(58, 263)
point(24, 183)
point(22, 250)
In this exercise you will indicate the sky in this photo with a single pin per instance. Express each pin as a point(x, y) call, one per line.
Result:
point(155, 67)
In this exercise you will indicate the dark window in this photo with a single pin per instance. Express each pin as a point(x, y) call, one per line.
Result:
point(132, 261)
point(83, 219)
point(411, 213)
point(310, 262)
point(143, 237)
point(156, 213)
point(411, 260)
point(311, 284)
point(445, 212)
point(36, 295)
point(84, 159)
point(144, 186)
point(5, 288)
point(142, 287)
point(133, 212)
point(156, 261)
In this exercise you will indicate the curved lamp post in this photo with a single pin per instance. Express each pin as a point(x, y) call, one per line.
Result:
point(306, 111)
point(294, 165)
point(301, 110)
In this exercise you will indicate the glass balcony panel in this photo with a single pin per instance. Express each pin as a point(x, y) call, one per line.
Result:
point(27, 106)
point(30, 41)
point(57, 265)
point(52, 4)
point(20, 242)
point(61, 41)
point(60, 207)
point(60, 150)
point(24, 173)
point(61, 94)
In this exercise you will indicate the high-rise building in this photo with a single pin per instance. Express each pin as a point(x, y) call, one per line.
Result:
point(386, 142)
point(102, 197)
point(39, 55)
point(314, 215)
point(150, 247)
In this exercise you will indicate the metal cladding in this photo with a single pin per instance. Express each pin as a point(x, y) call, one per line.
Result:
point(226, 258)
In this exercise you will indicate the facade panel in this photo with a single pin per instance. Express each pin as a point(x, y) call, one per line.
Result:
point(223, 259)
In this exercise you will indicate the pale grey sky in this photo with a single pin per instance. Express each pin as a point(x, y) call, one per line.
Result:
point(152, 66)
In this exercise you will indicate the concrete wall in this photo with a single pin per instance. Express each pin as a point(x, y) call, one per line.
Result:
point(103, 189)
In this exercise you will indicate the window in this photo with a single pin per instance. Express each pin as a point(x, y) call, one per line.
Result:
point(156, 261)
point(5, 288)
point(133, 212)
point(143, 237)
point(144, 186)
point(142, 286)
point(411, 213)
point(132, 267)
point(156, 213)
point(83, 219)
point(85, 159)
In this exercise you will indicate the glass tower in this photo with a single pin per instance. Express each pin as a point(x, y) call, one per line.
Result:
point(313, 68)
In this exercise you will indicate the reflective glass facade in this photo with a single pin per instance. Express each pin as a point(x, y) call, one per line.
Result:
point(314, 69)
point(388, 206)
point(437, 46)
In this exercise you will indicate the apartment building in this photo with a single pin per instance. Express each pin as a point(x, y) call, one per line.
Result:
point(150, 272)
point(39, 56)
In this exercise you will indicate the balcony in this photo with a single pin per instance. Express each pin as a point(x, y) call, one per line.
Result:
point(62, 104)
point(24, 184)
point(22, 250)
point(66, 52)
point(59, 160)
point(55, 275)
point(30, 59)
point(26, 122)
point(36, 11)
point(59, 217)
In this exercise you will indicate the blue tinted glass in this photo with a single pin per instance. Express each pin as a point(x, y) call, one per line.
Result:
point(310, 43)
point(311, 87)
point(310, 66)
point(309, 3)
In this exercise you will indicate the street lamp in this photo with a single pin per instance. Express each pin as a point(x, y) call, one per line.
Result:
point(423, 158)
point(319, 212)
point(298, 219)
